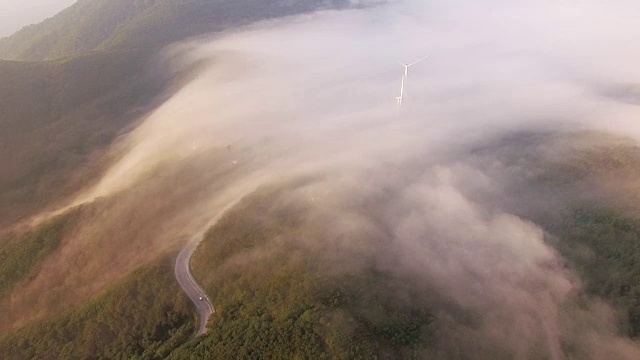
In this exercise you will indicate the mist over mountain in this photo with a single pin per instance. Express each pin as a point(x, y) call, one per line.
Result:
point(57, 116)
point(493, 216)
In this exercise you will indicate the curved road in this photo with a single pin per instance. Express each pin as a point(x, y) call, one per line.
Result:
point(191, 287)
point(186, 280)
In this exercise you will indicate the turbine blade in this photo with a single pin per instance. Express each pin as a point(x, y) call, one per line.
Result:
point(415, 62)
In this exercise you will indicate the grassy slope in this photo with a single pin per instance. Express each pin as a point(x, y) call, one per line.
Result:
point(144, 316)
point(275, 300)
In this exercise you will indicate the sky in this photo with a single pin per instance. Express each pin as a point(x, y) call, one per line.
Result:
point(15, 14)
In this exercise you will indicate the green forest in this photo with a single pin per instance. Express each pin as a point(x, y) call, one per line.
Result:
point(604, 246)
point(20, 253)
point(281, 303)
point(278, 302)
point(145, 316)
point(277, 297)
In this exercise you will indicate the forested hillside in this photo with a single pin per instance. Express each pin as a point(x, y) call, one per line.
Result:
point(285, 305)
point(278, 297)
point(145, 316)
point(582, 189)
point(54, 115)
point(20, 254)
point(604, 246)
point(279, 293)
point(133, 24)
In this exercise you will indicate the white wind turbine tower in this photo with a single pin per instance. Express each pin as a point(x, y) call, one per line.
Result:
point(404, 79)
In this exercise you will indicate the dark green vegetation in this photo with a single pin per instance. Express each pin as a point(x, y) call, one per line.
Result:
point(582, 189)
point(274, 300)
point(110, 25)
point(19, 254)
point(604, 246)
point(144, 316)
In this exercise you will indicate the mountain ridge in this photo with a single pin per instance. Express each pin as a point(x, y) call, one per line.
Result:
point(106, 25)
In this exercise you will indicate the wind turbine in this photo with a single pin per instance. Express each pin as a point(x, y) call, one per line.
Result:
point(404, 79)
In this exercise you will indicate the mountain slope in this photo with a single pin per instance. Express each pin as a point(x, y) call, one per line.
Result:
point(276, 298)
point(281, 292)
point(131, 24)
point(143, 316)
point(55, 115)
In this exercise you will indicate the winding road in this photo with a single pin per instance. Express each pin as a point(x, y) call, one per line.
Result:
point(185, 278)
point(191, 287)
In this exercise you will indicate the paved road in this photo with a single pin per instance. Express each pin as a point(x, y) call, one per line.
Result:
point(191, 287)
point(186, 280)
